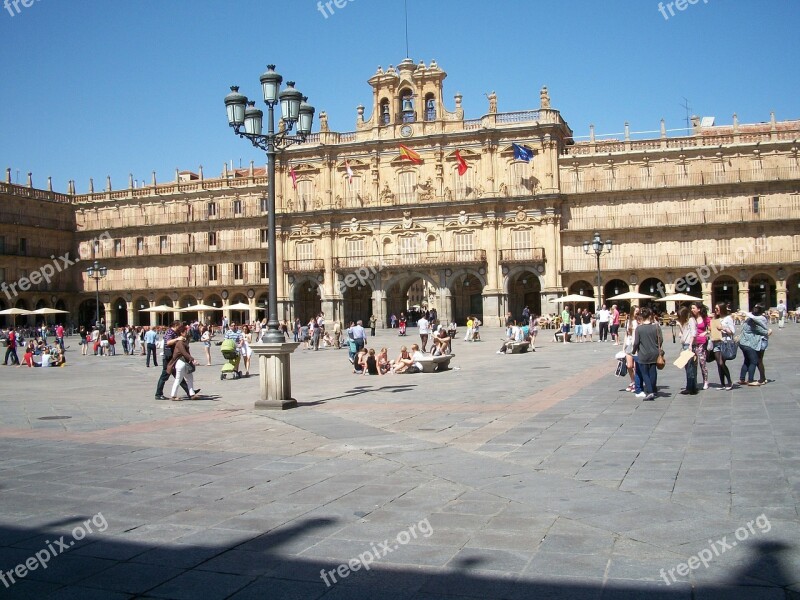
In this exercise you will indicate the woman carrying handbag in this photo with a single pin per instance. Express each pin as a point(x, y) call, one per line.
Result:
point(182, 365)
point(722, 330)
point(647, 342)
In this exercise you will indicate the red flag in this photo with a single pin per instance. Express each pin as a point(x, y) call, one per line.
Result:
point(408, 153)
point(293, 175)
point(462, 164)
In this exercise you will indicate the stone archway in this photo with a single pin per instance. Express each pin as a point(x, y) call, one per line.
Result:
point(409, 294)
point(307, 299)
point(762, 290)
point(793, 291)
point(357, 303)
point(614, 288)
point(119, 313)
point(524, 289)
point(725, 289)
point(467, 298)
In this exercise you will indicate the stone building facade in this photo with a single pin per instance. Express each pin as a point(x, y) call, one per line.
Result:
point(362, 230)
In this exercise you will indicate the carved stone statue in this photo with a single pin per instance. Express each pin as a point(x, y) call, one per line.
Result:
point(492, 103)
point(323, 121)
point(408, 222)
point(504, 189)
point(448, 194)
point(479, 191)
point(426, 191)
point(386, 194)
point(544, 97)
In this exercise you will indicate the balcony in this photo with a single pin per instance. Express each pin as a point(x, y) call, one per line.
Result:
point(522, 255)
point(310, 265)
point(411, 259)
point(656, 181)
point(682, 218)
point(588, 264)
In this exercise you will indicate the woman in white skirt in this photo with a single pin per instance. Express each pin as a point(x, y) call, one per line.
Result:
point(245, 350)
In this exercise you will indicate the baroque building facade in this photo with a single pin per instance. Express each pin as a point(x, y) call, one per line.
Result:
point(363, 230)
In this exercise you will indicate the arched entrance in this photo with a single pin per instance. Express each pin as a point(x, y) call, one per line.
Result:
point(119, 313)
point(190, 316)
point(467, 293)
point(762, 289)
point(240, 316)
point(410, 296)
point(793, 291)
point(213, 317)
point(615, 287)
point(653, 286)
point(524, 289)
point(262, 307)
point(357, 302)
point(87, 312)
point(307, 300)
point(725, 289)
point(139, 317)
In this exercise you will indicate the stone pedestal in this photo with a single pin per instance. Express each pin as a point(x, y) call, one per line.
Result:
point(275, 375)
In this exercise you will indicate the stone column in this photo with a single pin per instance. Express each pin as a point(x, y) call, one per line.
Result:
point(493, 296)
point(131, 310)
point(379, 306)
point(744, 296)
point(275, 377)
point(329, 283)
point(284, 304)
point(671, 305)
point(153, 316)
point(780, 289)
point(707, 289)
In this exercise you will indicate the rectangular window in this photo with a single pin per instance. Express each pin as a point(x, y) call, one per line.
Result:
point(462, 184)
point(521, 182)
point(263, 204)
point(723, 247)
point(719, 172)
point(238, 271)
point(355, 248)
point(352, 191)
point(2, 244)
point(682, 172)
point(212, 239)
point(408, 187)
point(409, 247)
point(465, 246)
point(139, 245)
point(23, 246)
point(264, 269)
point(305, 195)
point(212, 272)
point(721, 205)
point(756, 204)
point(577, 180)
point(237, 207)
point(163, 244)
point(212, 209)
point(264, 236)
point(117, 247)
point(521, 243)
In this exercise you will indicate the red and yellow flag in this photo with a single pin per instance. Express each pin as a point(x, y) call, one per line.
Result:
point(406, 152)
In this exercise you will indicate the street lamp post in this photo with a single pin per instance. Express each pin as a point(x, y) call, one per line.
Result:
point(597, 247)
point(247, 122)
point(97, 273)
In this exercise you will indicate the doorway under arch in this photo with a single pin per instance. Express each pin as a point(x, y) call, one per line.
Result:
point(524, 289)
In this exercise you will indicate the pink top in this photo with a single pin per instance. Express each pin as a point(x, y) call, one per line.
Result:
point(615, 317)
point(702, 331)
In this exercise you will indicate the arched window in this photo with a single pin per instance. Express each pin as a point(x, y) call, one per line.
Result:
point(385, 116)
point(407, 110)
point(430, 107)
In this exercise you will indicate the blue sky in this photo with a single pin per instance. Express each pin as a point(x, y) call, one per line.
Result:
point(95, 88)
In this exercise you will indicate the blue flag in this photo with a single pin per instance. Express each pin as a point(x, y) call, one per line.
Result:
point(522, 152)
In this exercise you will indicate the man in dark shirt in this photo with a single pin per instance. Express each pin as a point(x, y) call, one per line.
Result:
point(170, 339)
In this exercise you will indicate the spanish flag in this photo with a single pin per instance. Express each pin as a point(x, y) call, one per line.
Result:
point(408, 153)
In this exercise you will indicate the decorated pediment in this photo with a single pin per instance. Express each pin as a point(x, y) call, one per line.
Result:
point(305, 169)
point(408, 224)
point(354, 227)
point(466, 154)
point(355, 164)
point(522, 216)
point(304, 230)
point(464, 221)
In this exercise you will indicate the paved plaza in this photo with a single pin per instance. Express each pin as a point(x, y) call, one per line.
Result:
point(515, 477)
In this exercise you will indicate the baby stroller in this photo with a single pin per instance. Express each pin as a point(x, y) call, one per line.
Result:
point(402, 327)
point(231, 355)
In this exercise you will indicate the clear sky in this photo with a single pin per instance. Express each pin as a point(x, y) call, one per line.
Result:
point(93, 88)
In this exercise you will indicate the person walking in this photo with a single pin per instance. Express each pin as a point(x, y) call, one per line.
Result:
point(700, 315)
point(630, 360)
point(687, 332)
point(182, 364)
point(358, 335)
point(586, 322)
point(781, 308)
point(150, 338)
point(205, 338)
point(566, 320)
point(754, 331)
point(470, 323)
point(647, 344)
point(722, 329)
point(758, 314)
point(11, 348)
point(615, 324)
point(170, 339)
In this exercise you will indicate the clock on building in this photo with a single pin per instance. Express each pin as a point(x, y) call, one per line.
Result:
point(406, 130)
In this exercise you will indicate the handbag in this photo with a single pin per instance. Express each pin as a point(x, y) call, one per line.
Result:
point(661, 361)
point(729, 348)
point(190, 368)
point(622, 368)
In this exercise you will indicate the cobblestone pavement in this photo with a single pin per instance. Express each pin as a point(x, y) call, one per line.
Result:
point(514, 477)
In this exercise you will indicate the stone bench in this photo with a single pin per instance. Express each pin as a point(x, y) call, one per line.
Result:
point(431, 364)
point(520, 347)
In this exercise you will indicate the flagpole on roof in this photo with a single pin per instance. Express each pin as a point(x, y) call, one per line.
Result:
point(406, 12)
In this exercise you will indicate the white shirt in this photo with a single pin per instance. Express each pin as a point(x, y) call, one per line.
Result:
point(603, 316)
point(424, 326)
point(416, 357)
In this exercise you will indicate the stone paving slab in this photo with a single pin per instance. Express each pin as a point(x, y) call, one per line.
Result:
point(533, 479)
